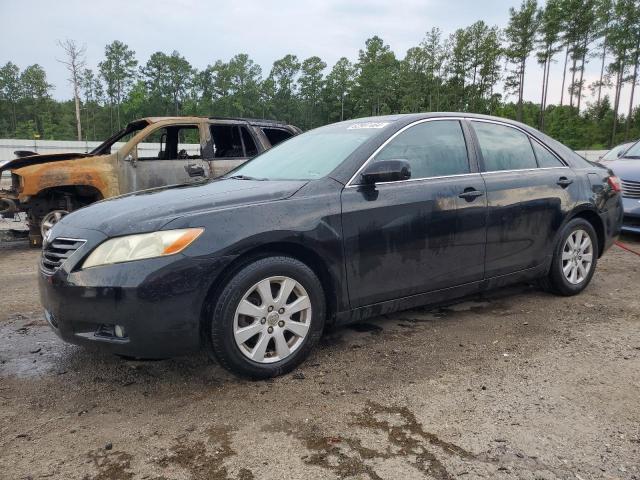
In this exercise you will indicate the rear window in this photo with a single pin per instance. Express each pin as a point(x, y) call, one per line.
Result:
point(546, 159)
point(232, 141)
point(276, 135)
point(504, 148)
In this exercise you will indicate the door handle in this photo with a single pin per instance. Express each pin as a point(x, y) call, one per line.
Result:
point(564, 182)
point(194, 170)
point(470, 194)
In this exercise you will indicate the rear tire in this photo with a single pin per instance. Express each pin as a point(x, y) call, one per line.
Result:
point(575, 258)
point(268, 318)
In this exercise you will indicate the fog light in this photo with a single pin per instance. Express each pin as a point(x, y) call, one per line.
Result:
point(120, 331)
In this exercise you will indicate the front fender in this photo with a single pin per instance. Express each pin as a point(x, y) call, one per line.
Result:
point(96, 172)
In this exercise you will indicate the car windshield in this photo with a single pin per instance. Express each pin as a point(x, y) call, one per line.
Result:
point(633, 152)
point(614, 153)
point(122, 136)
point(311, 155)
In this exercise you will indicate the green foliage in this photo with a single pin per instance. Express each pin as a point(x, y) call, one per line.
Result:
point(520, 34)
point(480, 68)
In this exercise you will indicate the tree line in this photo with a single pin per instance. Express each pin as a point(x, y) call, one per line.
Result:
point(480, 68)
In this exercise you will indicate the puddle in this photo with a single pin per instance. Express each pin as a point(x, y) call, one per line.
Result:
point(31, 350)
point(28, 349)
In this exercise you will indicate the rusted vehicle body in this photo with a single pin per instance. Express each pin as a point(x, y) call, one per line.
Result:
point(147, 153)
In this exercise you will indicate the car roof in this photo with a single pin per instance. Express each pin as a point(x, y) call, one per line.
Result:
point(411, 117)
point(251, 121)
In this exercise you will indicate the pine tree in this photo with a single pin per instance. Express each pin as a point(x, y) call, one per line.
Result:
point(520, 35)
point(118, 70)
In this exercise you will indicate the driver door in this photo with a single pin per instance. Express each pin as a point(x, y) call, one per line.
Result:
point(168, 155)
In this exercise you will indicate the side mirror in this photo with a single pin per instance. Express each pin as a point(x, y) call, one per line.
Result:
point(621, 153)
point(386, 171)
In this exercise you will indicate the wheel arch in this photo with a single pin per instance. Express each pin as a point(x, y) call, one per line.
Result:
point(78, 190)
point(300, 252)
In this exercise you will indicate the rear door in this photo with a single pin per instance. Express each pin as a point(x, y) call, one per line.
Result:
point(529, 191)
point(422, 234)
point(232, 144)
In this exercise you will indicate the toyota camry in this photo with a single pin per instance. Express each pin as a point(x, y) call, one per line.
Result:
point(347, 221)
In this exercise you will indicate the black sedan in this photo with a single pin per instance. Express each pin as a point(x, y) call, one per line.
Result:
point(351, 220)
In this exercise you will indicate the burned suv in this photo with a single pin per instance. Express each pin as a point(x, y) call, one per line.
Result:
point(147, 153)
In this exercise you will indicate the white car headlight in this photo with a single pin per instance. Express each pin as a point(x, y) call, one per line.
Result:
point(141, 246)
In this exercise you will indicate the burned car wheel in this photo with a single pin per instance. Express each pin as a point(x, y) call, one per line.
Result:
point(50, 219)
point(268, 317)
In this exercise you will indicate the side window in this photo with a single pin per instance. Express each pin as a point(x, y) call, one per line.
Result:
point(276, 135)
point(229, 140)
point(433, 149)
point(175, 142)
point(504, 148)
point(545, 157)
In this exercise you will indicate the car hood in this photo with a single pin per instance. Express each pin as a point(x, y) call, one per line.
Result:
point(626, 169)
point(150, 210)
point(39, 159)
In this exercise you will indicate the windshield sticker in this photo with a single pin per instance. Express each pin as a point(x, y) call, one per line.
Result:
point(358, 126)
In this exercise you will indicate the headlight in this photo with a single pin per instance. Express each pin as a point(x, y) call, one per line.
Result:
point(145, 245)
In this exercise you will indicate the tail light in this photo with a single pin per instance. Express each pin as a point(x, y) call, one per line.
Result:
point(614, 183)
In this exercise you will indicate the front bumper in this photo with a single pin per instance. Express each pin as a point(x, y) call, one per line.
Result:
point(631, 221)
point(159, 302)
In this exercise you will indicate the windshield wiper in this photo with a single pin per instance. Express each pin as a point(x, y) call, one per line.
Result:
point(635, 157)
point(246, 177)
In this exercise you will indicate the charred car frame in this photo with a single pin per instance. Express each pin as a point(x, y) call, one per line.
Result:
point(147, 153)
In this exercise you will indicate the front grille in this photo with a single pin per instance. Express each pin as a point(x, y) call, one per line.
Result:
point(55, 253)
point(630, 188)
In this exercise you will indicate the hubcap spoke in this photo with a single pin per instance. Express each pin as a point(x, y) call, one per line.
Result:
point(574, 272)
point(583, 271)
point(299, 304)
point(285, 290)
point(260, 349)
point(249, 309)
point(264, 289)
point(244, 334)
point(297, 328)
point(282, 348)
point(577, 239)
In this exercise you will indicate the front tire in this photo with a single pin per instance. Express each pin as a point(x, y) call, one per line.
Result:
point(267, 318)
point(574, 259)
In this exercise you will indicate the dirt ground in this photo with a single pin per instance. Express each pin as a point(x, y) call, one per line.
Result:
point(518, 384)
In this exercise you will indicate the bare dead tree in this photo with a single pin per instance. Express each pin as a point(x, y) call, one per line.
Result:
point(75, 63)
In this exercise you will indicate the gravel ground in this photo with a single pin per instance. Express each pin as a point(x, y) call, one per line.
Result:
point(518, 384)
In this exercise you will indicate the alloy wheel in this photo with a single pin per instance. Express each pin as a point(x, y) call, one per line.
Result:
point(272, 319)
point(577, 257)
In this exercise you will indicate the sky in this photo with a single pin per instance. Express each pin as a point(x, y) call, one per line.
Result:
point(208, 30)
